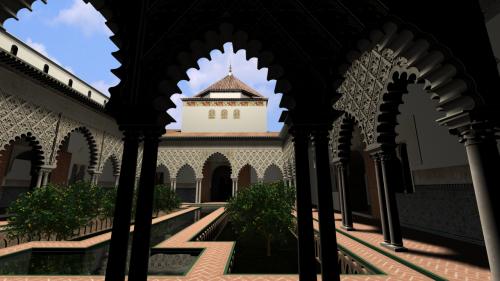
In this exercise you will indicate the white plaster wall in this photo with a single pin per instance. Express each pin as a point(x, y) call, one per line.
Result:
point(252, 119)
point(29, 90)
point(435, 148)
point(225, 95)
point(37, 60)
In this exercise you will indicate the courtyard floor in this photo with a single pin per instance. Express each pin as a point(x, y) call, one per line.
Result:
point(426, 259)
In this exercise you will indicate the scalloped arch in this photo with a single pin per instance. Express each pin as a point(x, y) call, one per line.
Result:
point(384, 57)
point(231, 165)
point(91, 142)
point(33, 142)
point(214, 39)
point(185, 166)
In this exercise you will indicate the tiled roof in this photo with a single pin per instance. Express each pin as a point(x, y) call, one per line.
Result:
point(230, 83)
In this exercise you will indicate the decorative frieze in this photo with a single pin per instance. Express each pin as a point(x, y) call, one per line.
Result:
point(225, 103)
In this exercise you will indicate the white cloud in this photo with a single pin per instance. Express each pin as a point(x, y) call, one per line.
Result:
point(40, 47)
point(176, 112)
point(103, 86)
point(83, 16)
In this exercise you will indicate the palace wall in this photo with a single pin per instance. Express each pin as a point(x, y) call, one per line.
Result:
point(443, 201)
point(252, 117)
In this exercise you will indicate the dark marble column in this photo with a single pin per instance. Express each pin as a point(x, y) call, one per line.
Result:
point(139, 259)
point(341, 193)
point(387, 158)
point(305, 231)
point(484, 160)
point(346, 197)
point(381, 198)
point(117, 257)
point(328, 240)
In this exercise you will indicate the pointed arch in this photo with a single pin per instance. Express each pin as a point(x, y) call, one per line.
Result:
point(163, 175)
point(214, 154)
point(246, 175)
point(273, 173)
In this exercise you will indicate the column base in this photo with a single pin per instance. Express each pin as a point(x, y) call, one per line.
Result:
point(348, 228)
point(395, 248)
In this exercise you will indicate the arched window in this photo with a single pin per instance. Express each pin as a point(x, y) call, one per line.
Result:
point(89, 94)
point(46, 68)
point(223, 114)
point(236, 114)
point(211, 114)
point(70, 82)
point(13, 50)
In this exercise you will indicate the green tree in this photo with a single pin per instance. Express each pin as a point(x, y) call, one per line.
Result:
point(107, 202)
point(54, 210)
point(263, 209)
point(165, 199)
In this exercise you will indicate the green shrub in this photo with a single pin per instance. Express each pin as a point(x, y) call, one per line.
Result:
point(165, 199)
point(263, 209)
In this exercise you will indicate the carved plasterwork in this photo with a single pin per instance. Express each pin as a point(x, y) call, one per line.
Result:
point(259, 158)
point(19, 117)
point(113, 148)
point(365, 83)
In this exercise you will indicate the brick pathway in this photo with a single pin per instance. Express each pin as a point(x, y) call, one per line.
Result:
point(211, 263)
point(426, 255)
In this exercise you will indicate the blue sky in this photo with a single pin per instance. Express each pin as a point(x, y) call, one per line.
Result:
point(74, 35)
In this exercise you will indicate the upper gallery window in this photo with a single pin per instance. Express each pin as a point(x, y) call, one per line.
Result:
point(236, 114)
point(211, 114)
point(223, 114)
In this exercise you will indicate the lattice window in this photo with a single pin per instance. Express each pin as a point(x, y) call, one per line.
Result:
point(236, 114)
point(223, 114)
point(211, 114)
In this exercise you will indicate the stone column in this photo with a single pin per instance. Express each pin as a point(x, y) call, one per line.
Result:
point(381, 198)
point(484, 160)
point(346, 195)
point(387, 158)
point(341, 193)
point(235, 186)
point(139, 258)
point(45, 178)
point(173, 183)
point(94, 176)
point(117, 256)
point(39, 178)
point(305, 232)
point(198, 190)
point(117, 178)
point(43, 175)
point(328, 239)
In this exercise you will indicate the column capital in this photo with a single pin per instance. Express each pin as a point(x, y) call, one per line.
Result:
point(477, 133)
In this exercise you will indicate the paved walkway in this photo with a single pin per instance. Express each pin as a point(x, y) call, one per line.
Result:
point(363, 242)
point(443, 257)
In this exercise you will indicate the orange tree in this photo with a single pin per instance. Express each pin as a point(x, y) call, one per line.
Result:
point(263, 209)
point(54, 210)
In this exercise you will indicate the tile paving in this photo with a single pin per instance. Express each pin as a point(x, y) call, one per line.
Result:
point(212, 261)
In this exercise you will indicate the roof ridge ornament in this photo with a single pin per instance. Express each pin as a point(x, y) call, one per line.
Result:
point(230, 69)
